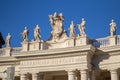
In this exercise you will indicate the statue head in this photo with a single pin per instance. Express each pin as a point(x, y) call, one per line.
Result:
point(112, 20)
point(83, 19)
point(37, 26)
point(25, 28)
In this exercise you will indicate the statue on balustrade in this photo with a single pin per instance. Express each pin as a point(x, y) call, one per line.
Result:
point(72, 29)
point(25, 34)
point(37, 33)
point(113, 28)
point(57, 25)
point(8, 38)
point(82, 27)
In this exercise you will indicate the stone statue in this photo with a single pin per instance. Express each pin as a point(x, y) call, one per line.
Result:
point(82, 27)
point(113, 28)
point(8, 38)
point(37, 33)
point(72, 29)
point(57, 24)
point(25, 34)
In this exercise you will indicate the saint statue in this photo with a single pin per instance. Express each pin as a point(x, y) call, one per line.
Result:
point(57, 24)
point(72, 29)
point(8, 38)
point(25, 34)
point(82, 27)
point(113, 28)
point(37, 33)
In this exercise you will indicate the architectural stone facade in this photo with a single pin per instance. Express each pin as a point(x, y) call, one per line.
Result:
point(62, 57)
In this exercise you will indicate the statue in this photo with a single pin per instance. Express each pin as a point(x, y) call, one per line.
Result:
point(113, 28)
point(72, 29)
point(57, 24)
point(82, 27)
point(37, 33)
point(25, 34)
point(8, 38)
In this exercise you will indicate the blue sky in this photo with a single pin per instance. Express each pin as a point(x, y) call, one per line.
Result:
point(16, 14)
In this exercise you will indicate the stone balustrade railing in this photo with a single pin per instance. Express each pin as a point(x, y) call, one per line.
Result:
point(15, 50)
point(101, 42)
point(32, 46)
point(107, 41)
point(7, 51)
point(118, 40)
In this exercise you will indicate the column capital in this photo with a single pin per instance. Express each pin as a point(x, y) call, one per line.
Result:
point(71, 74)
point(34, 76)
point(84, 71)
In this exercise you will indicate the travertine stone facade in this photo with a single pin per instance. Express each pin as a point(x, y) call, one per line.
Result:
point(62, 57)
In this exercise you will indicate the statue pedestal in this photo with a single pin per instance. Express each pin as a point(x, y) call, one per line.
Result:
point(7, 51)
point(82, 40)
point(34, 45)
point(25, 46)
point(113, 40)
point(70, 42)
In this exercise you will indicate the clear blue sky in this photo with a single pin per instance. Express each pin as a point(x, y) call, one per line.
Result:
point(16, 14)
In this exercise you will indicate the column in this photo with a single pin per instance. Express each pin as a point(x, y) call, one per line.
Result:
point(71, 75)
point(93, 75)
point(5, 76)
point(114, 74)
point(84, 74)
point(23, 77)
point(34, 76)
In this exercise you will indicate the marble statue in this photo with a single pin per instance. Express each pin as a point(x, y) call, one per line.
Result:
point(82, 27)
point(72, 29)
point(37, 33)
point(113, 28)
point(8, 38)
point(25, 34)
point(57, 25)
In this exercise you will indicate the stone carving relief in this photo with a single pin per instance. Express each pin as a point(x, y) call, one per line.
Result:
point(57, 32)
point(81, 27)
point(37, 33)
point(25, 34)
point(8, 38)
point(59, 61)
point(113, 28)
point(72, 29)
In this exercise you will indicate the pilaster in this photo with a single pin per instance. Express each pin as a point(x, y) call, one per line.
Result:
point(23, 77)
point(34, 45)
point(34, 76)
point(84, 74)
point(25, 46)
point(71, 75)
point(114, 74)
point(70, 42)
point(8, 51)
point(113, 40)
point(82, 40)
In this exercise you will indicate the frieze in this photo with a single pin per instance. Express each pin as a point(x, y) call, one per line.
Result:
point(56, 61)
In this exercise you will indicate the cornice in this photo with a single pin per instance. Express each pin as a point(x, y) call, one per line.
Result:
point(68, 50)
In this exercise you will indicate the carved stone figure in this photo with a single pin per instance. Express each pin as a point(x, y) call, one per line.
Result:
point(8, 38)
point(113, 28)
point(57, 25)
point(72, 29)
point(82, 27)
point(25, 34)
point(37, 33)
